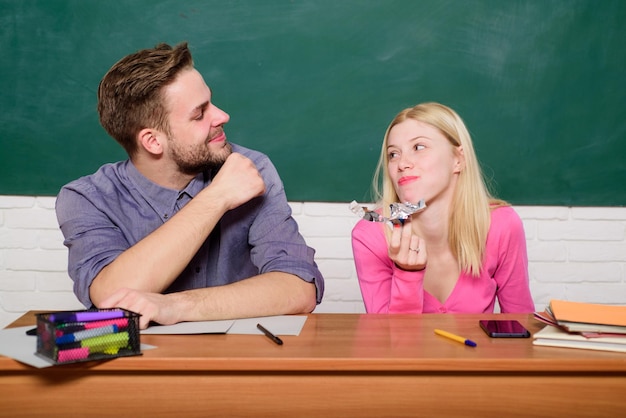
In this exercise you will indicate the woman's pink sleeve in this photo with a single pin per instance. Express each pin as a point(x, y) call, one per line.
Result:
point(385, 287)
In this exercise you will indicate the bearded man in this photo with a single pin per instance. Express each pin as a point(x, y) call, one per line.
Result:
point(190, 227)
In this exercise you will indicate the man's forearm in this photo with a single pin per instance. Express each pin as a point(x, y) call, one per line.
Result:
point(156, 261)
point(273, 293)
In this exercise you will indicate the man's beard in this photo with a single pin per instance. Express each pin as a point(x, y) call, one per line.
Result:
point(200, 161)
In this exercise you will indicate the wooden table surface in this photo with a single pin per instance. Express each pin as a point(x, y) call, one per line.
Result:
point(340, 365)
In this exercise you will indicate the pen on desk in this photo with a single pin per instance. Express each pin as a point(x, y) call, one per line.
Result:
point(269, 334)
point(455, 337)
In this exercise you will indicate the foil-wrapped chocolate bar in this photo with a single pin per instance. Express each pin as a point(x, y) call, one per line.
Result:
point(399, 212)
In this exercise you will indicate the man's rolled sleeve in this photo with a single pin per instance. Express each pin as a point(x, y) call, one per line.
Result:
point(92, 240)
point(277, 244)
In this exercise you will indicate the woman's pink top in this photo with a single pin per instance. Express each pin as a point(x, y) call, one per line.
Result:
point(504, 274)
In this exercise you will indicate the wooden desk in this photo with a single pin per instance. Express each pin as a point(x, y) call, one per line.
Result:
point(344, 365)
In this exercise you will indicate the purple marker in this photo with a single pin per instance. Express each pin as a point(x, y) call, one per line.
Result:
point(85, 316)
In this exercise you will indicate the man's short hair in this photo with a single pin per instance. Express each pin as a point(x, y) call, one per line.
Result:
point(130, 95)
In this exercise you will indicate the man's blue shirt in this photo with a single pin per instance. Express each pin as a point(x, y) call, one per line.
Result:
point(104, 214)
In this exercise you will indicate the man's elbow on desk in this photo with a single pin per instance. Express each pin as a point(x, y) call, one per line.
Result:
point(308, 301)
point(280, 293)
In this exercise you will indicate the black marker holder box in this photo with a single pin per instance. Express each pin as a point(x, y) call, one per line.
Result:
point(99, 339)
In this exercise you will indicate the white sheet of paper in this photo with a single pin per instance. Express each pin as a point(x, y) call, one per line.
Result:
point(16, 344)
point(200, 327)
point(278, 325)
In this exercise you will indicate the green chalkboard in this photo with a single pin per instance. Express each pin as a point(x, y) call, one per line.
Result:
point(541, 85)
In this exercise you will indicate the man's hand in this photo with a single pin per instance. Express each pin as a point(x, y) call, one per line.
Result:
point(238, 181)
point(151, 306)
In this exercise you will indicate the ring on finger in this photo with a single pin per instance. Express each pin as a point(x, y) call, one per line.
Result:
point(417, 250)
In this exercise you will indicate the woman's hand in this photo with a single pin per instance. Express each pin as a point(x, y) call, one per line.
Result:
point(406, 249)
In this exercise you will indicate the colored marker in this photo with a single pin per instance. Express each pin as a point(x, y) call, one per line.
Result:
point(69, 328)
point(85, 316)
point(85, 334)
point(119, 322)
point(77, 354)
point(103, 342)
point(455, 337)
point(73, 354)
point(269, 334)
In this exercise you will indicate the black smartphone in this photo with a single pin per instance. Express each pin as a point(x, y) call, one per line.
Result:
point(504, 328)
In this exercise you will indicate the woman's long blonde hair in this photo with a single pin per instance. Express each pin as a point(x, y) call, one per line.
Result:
point(472, 202)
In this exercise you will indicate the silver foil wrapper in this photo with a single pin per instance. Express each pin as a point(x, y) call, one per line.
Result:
point(399, 211)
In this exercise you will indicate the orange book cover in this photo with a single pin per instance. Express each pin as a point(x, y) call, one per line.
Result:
point(590, 313)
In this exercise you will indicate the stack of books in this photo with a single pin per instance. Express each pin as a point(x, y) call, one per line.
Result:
point(582, 325)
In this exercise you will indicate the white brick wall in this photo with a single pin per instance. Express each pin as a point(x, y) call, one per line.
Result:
point(575, 254)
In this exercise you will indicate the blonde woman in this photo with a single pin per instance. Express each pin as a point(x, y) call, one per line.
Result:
point(461, 253)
